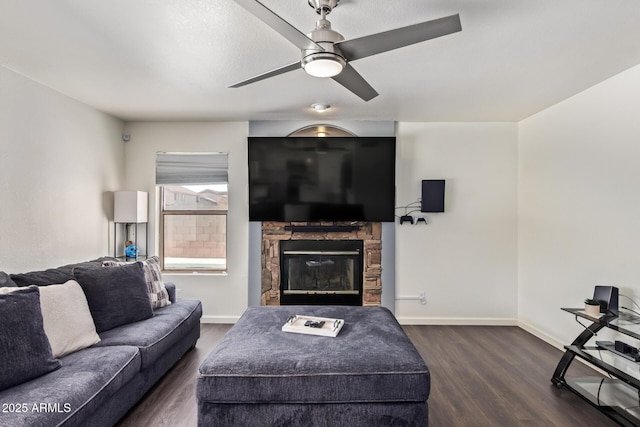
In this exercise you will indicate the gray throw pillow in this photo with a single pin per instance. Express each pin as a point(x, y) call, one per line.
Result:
point(116, 295)
point(24, 347)
point(153, 276)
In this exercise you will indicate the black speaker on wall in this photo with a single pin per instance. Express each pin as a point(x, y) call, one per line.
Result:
point(432, 195)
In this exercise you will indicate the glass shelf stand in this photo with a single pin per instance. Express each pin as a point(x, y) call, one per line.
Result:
point(617, 394)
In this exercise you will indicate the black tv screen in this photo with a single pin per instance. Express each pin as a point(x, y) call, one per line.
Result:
point(321, 179)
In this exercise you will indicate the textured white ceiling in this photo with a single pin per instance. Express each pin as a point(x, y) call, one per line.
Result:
point(174, 59)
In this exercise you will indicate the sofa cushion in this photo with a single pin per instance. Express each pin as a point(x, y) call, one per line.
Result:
point(87, 380)
point(53, 275)
point(42, 278)
point(6, 281)
point(67, 318)
point(24, 348)
point(116, 295)
point(371, 360)
point(171, 291)
point(153, 277)
point(156, 336)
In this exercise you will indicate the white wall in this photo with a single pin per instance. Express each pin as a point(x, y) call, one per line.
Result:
point(465, 259)
point(59, 162)
point(537, 213)
point(224, 296)
point(579, 203)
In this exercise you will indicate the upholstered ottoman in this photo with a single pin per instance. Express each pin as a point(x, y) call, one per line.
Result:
point(369, 375)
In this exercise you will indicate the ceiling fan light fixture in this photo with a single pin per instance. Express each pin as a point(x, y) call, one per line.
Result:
point(320, 108)
point(323, 64)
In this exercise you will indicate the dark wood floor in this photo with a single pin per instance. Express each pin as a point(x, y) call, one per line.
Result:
point(490, 376)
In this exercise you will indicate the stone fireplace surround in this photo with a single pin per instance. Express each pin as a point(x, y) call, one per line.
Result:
point(369, 232)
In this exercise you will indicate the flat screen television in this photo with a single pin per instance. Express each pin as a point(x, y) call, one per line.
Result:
point(321, 179)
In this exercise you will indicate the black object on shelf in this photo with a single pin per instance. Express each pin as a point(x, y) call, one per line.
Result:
point(321, 228)
point(608, 298)
point(621, 349)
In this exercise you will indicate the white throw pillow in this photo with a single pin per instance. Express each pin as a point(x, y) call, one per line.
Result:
point(67, 319)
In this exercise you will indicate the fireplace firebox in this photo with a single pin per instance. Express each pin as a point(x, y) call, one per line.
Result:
point(321, 272)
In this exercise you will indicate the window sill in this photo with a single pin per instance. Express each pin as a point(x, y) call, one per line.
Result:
point(194, 273)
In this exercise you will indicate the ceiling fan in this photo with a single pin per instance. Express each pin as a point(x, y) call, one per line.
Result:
point(325, 52)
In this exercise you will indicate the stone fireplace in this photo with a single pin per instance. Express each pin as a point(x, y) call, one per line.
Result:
point(321, 263)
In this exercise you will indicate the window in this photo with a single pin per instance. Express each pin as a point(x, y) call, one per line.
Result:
point(193, 211)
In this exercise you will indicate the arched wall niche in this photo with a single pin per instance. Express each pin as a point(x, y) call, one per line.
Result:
point(321, 130)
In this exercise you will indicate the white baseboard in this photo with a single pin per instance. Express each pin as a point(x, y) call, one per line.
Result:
point(555, 343)
point(479, 321)
point(219, 319)
point(542, 335)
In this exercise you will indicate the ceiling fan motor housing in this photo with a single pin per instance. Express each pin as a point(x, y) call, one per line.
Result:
point(326, 5)
point(325, 37)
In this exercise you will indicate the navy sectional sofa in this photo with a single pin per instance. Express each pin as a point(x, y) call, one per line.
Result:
point(96, 386)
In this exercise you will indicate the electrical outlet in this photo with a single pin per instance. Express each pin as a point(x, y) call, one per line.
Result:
point(423, 298)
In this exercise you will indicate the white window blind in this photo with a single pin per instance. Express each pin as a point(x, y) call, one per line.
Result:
point(191, 168)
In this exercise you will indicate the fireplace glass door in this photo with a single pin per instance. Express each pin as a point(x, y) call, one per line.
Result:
point(321, 272)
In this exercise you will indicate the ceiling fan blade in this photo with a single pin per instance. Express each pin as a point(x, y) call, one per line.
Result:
point(285, 29)
point(272, 73)
point(394, 39)
point(353, 81)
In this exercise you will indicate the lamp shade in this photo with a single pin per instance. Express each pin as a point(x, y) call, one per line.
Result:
point(130, 206)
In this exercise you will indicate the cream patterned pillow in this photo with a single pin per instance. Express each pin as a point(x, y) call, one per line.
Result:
point(153, 276)
point(66, 318)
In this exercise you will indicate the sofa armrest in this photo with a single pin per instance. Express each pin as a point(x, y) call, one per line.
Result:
point(171, 290)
